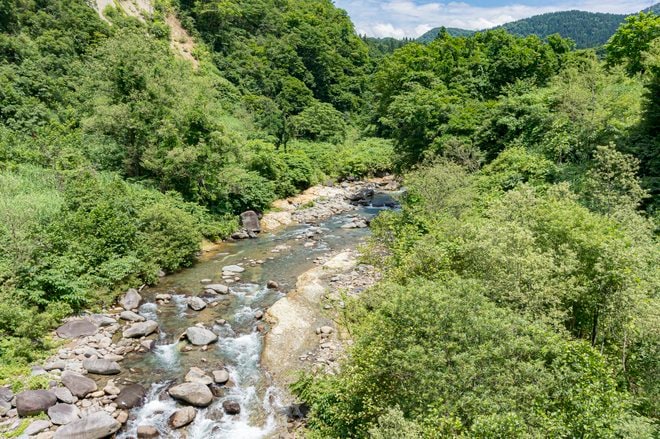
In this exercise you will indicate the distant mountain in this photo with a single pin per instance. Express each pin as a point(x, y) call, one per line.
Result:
point(587, 29)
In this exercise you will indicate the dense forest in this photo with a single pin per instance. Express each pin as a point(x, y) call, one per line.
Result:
point(586, 29)
point(521, 276)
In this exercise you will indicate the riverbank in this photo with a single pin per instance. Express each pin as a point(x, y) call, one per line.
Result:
point(108, 354)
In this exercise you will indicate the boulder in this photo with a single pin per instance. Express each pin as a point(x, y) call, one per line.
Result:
point(36, 427)
point(196, 303)
point(131, 396)
point(6, 394)
point(102, 320)
point(77, 328)
point(141, 329)
point(147, 432)
point(131, 300)
point(250, 221)
point(195, 394)
point(62, 414)
point(93, 426)
point(63, 394)
point(182, 417)
point(231, 407)
point(326, 330)
point(101, 366)
point(33, 402)
point(131, 316)
point(218, 288)
point(197, 375)
point(4, 407)
point(79, 385)
point(55, 365)
point(200, 336)
point(220, 376)
point(272, 285)
point(233, 269)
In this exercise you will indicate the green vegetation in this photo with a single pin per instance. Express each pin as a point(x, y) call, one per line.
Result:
point(520, 291)
point(521, 284)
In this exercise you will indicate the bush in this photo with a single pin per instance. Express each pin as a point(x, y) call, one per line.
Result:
point(319, 122)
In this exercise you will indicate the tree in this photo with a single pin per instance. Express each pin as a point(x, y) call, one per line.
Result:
point(631, 40)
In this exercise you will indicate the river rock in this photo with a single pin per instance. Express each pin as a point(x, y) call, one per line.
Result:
point(102, 320)
point(250, 221)
point(131, 300)
point(326, 330)
point(272, 285)
point(93, 426)
point(101, 366)
point(5, 406)
point(196, 303)
point(36, 427)
point(130, 396)
point(147, 432)
point(220, 376)
point(33, 402)
point(6, 394)
point(233, 269)
point(77, 328)
point(195, 394)
point(218, 288)
point(182, 417)
point(231, 407)
point(62, 414)
point(200, 336)
point(197, 375)
point(79, 385)
point(63, 394)
point(141, 329)
point(55, 365)
point(131, 316)
point(111, 388)
point(163, 296)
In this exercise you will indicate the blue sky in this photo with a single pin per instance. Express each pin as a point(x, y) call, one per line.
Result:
point(411, 18)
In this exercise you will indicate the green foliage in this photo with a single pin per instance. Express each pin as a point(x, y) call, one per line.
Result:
point(631, 40)
point(319, 122)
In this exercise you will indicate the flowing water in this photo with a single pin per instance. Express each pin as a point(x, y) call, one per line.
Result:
point(239, 346)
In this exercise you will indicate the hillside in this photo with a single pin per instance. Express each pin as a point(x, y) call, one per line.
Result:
point(587, 29)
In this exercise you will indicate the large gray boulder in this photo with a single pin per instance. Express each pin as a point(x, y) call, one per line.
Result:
point(77, 328)
point(197, 375)
point(101, 366)
point(94, 426)
point(63, 394)
point(200, 336)
point(220, 376)
point(195, 394)
point(141, 329)
point(131, 316)
point(231, 407)
point(33, 402)
point(79, 385)
point(131, 300)
point(131, 396)
point(102, 320)
point(218, 288)
point(233, 269)
point(35, 428)
point(6, 394)
point(182, 417)
point(196, 303)
point(250, 221)
point(62, 414)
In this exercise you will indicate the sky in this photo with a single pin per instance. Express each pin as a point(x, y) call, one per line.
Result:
point(412, 18)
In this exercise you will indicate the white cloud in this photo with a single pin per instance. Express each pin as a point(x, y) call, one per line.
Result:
point(399, 18)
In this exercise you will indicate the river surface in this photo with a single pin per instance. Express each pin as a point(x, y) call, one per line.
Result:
point(239, 347)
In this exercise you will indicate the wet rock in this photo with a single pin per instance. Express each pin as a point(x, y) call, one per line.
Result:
point(131, 300)
point(148, 345)
point(259, 315)
point(93, 426)
point(182, 417)
point(122, 416)
point(131, 316)
point(218, 288)
point(63, 394)
point(233, 269)
point(111, 388)
point(220, 376)
point(36, 427)
point(231, 407)
point(163, 296)
point(250, 221)
point(195, 394)
point(141, 329)
point(79, 385)
point(362, 197)
point(101, 366)
point(147, 432)
point(272, 285)
point(33, 402)
point(77, 328)
point(62, 414)
point(200, 336)
point(197, 375)
point(196, 303)
point(130, 396)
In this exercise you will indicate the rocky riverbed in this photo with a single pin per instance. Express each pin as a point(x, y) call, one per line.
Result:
point(182, 359)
